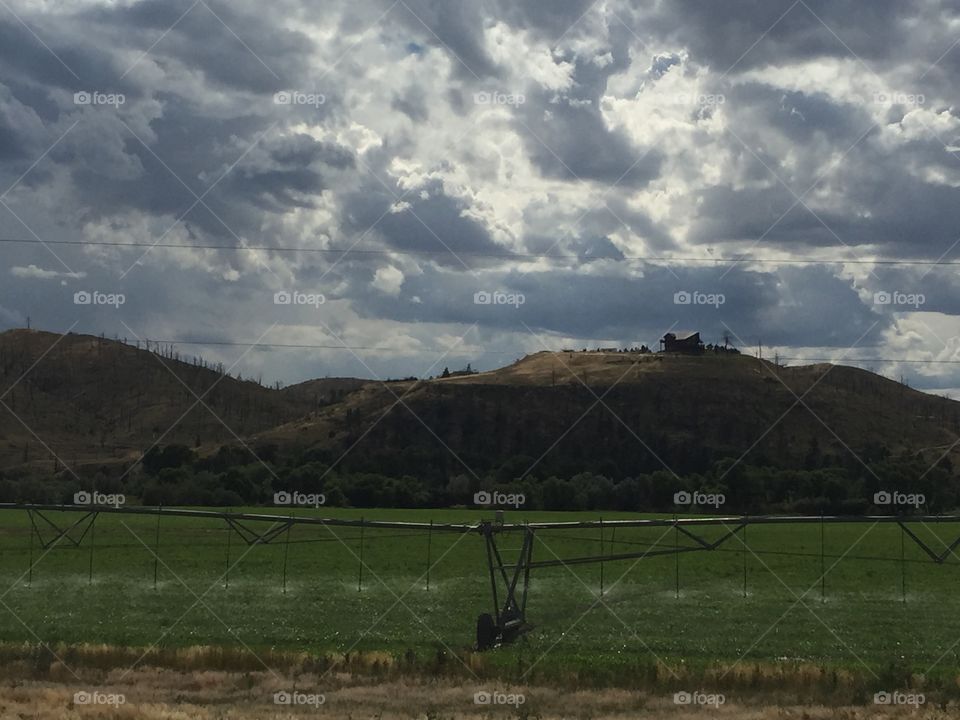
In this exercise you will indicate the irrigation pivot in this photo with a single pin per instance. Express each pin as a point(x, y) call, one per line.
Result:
point(509, 578)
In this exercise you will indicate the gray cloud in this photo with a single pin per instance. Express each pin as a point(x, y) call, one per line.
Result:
point(753, 33)
point(601, 164)
point(453, 27)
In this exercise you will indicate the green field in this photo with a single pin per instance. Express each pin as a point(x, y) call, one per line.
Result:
point(875, 616)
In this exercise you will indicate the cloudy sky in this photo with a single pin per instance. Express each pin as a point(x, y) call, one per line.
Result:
point(435, 182)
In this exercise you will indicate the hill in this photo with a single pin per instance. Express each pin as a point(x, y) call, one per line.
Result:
point(98, 404)
point(623, 413)
point(89, 401)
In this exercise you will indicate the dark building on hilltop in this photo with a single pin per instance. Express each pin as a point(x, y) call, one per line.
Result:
point(681, 342)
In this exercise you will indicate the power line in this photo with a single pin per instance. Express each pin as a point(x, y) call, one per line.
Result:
point(873, 360)
point(486, 351)
point(516, 351)
point(256, 345)
point(504, 255)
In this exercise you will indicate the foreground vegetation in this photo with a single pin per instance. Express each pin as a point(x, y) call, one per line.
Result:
point(188, 689)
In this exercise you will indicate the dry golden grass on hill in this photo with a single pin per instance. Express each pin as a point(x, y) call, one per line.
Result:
point(690, 410)
point(97, 401)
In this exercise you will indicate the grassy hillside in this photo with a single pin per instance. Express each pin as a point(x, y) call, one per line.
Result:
point(95, 402)
point(92, 401)
point(624, 413)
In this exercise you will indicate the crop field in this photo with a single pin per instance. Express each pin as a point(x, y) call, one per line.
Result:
point(882, 611)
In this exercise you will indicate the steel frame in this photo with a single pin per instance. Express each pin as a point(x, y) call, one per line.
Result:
point(508, 620)
point(60, 532)
point(252, 537)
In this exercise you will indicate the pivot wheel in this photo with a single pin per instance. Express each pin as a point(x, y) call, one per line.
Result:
point(487, 632)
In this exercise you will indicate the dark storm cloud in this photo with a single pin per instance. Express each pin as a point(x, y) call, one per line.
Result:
point(285, 172)
point(785, 308)
point(230, 43)
point(302, 150)
point(931, 289)
point(454, 27)
point(885, 204)
point(32, 96)
point(755, 33)
point(413, 103)
point(567, 137)
point(616, 213)
point(589, 249)
point(68, 62)
point(770, 215)
point(572, 143)
point(909, 217)
point(185, 153)
point(188, 146)
point(19, 127)
point(812, 306)
point(799, 117)
point(592, 229)
point(10, 146)
point(551, 20)
point(434, 221)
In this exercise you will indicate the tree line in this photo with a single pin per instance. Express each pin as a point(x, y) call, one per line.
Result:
point(236, 476)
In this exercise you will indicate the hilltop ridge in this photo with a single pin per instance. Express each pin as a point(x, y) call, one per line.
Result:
point(95, 403)
point(625, 412)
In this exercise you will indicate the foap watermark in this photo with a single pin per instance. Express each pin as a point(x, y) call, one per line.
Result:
point(95, 97)
point(697, 697)
point(299, 698)
point(498, 297)
point(696, 297)
point(895, 297)
point(295, 297)
point(896, 697)
point(98, 498)
point(496, 697)
point(699, 99)
point(299, 499)
point(888, 99)
point(685, 497)
point(499, 98)
point(95, 697)
point(297, 97)
point(498, 499)
point(95, 297)
point(899, 499)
